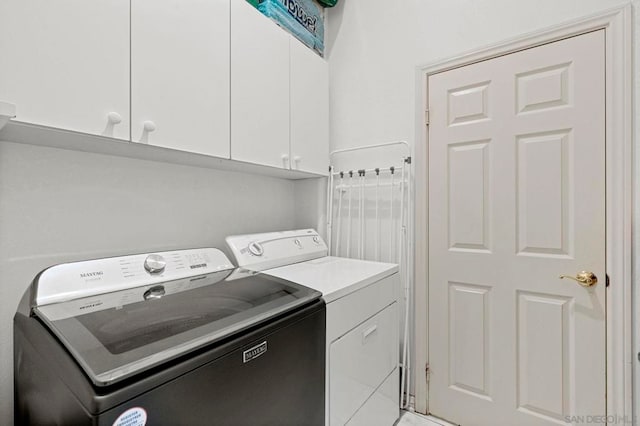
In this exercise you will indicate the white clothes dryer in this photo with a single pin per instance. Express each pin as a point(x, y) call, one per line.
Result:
point(362, 374)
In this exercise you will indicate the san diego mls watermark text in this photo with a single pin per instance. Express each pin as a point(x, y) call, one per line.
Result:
point(600, 419)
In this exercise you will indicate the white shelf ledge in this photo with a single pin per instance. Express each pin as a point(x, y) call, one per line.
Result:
point(7, 112)
point(20, 132)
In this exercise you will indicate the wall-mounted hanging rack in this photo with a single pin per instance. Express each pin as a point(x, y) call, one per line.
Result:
point(369, 217)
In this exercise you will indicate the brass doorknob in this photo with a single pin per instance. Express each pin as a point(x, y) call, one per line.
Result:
point(584, 278)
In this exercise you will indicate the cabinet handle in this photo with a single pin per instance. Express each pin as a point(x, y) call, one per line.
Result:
point(147, 127)
point(113, 118)
point(296, 160)
point(285, 161)
point(368, 332)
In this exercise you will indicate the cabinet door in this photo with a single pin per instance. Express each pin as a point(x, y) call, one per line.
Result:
point(360, 361)
point(259, 88)
point(309, 110)
point(180, 74)
point(65, 63)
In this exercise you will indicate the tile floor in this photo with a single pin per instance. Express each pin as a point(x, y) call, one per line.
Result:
point(413, 419)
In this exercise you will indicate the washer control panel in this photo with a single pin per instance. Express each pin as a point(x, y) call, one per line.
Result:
point(76, 280)
point(273, 249)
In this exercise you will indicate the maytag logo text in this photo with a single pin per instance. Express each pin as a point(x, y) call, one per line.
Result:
point(91, 274)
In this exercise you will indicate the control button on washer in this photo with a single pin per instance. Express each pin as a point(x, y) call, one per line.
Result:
point(316, 239)
point(256, 249)
point(155, 292)
point(154, 264)
point(297, 242)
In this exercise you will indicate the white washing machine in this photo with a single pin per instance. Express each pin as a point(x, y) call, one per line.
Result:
point(362, 319)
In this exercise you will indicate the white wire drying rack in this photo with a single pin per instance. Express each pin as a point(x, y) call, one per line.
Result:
point(369, 217)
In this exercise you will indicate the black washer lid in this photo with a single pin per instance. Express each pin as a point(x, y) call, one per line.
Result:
point(115, 335)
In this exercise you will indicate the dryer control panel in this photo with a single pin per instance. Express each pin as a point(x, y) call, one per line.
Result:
point(259, 252)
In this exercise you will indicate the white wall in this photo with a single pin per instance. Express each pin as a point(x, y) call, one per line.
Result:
point(311, 196)
point(374, 47)
point(58, 205)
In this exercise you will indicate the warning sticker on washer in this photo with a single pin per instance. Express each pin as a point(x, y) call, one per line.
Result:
point(132, 417)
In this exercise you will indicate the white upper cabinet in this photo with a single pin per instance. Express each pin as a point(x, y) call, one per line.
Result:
point(213, 77)
point(309, 110)
point(180, 74)
point(65, 63)
point(259, 88)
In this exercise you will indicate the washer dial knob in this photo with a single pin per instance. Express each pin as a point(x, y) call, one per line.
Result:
point(154, 264)
point(316, 239)
point(256, 249)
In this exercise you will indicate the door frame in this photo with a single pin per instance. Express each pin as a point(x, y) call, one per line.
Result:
point(617, 23)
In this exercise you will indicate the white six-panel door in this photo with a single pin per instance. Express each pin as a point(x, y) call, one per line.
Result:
point(516, 199)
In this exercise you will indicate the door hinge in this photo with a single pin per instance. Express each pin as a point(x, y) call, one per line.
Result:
point(426, 117)
point(606, 280)
point(426, 371)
